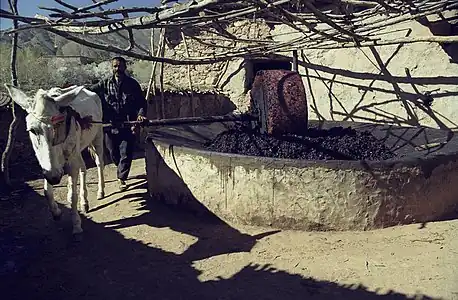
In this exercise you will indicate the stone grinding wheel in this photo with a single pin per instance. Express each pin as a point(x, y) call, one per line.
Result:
point(278, 97)
point(278, 106)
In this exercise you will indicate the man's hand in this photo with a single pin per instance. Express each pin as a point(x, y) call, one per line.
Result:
point(142, 120)
point(136, 128)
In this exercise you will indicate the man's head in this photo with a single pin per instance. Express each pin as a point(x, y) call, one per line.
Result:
point(119, 66)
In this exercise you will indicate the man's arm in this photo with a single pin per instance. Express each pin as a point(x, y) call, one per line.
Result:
point(98, 88)
point(140, 101)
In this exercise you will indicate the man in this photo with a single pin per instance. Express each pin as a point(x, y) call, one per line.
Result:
point(122, 100)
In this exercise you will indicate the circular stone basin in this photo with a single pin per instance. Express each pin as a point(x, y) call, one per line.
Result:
point(420, 184)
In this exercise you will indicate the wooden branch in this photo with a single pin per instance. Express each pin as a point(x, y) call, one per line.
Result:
point(114, 49)
point(66, 5)
point(130, 33)
point(145, 22)
point(397, 20)
point(118, 33)
point(340, 31)
point(387, 6)
point(71, 15)
point(214, 46)
point(161, 78)
point(14, 81)
point(404, 40)
point(142, 22)
point(58, 12)
point(194, 61)
point(234, 14)
point(360, 3)
point(25, 28)
point(217, 39)
point(290, 21)
point(95, 5)
point(326, 20)
point(130, 37)
point(160, 50)
point(150, 82)
point(189, 75)
point(15, 122)
point(109, 12)
point(7, 15)
point(86, 8)
point(114, 24)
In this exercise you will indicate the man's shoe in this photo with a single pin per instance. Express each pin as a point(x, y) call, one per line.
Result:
point(122, 185)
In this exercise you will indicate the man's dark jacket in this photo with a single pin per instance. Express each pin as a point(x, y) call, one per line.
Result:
point(120, 102)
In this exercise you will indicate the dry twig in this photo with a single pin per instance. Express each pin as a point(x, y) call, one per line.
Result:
point(319, 27)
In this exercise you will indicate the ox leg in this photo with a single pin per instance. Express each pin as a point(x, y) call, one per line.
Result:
point(98, 157)
point(83, 188)
point(49, 194)
point(73, 196)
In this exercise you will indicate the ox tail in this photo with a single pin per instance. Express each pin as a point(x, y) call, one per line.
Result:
point(92, 152)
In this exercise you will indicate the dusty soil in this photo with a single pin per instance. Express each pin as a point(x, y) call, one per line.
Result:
point(135, 248)
point(334, 143)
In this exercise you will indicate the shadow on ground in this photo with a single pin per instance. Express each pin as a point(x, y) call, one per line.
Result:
point(39, 260)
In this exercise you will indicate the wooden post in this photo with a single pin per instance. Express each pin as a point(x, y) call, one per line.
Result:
point(193, 113)
point(14, 108)
point(153, 53)
point(161, 76)
point(152, 81)
point(295, 61)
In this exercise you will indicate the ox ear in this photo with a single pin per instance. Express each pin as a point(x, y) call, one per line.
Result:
point(19, 97)
point(67, 97)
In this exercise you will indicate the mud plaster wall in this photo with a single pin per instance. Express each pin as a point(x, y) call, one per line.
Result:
point(379, 84)
point(178, 105)
point(227, 77)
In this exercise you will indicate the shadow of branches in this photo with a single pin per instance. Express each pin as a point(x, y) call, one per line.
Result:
point(445, 26)
point(40, 262)
point(412, 101)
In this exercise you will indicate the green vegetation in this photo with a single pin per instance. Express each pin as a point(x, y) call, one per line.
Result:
point(45, 59)
point(36, 70)
point(32, 67)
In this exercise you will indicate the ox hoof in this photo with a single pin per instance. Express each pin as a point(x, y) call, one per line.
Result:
point(86, 208)
point(100, 195)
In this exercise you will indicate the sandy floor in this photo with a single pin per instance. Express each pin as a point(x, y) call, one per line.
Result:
point(134, 248)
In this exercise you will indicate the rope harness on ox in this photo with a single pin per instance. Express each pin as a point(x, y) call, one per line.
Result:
point(60, 126)
point(61, 123)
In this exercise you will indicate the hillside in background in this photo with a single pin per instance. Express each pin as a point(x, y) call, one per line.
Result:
point(50, 44)
point(45, 59)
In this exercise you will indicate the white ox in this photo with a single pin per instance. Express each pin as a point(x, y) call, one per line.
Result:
point(61, 123)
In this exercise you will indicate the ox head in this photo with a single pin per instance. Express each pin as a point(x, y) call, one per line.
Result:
point(51, 130)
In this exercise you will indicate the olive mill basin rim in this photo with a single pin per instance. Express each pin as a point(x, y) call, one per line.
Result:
point(426, 163)
point(417, 186)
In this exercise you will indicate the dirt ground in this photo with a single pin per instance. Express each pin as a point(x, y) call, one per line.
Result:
point(136, 248)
